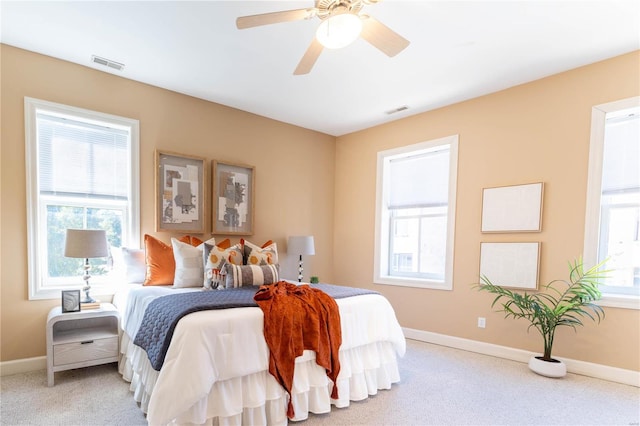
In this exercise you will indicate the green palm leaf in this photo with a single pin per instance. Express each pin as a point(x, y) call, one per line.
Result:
point(562, 303)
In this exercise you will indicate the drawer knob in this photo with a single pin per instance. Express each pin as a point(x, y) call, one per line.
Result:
point(86, 342)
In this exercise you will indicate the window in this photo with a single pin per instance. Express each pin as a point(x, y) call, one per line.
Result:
point(415, 212)
point(613, 200)
point(81, 173)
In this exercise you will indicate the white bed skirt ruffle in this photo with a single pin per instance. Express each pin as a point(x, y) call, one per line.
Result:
point(258, 399)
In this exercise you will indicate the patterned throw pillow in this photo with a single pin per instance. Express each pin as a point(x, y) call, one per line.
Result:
point(250, 275)
point(189, 267)
point(265, 255)
point(159, 260)
point(215, 257)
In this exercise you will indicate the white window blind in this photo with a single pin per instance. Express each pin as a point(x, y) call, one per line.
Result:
point(81, 159)
point(420, 180)
point(620, 171)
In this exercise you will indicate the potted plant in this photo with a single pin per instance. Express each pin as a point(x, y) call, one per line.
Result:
point(563, 303)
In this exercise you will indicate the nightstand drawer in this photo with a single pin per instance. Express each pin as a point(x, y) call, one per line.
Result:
point(70, 353)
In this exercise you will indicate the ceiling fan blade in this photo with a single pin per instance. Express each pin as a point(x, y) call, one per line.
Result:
point(274, 18)
point(310, 57)
point(382, 37)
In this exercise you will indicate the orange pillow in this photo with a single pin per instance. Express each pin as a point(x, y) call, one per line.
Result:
point(160, 263)
point(189, 239)
point(224, 244)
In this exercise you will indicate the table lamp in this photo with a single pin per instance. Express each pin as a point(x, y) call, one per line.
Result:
point(301, 245)
point(85, 244)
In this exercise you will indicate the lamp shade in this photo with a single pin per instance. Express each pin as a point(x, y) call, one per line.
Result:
point(301, 245)
point(86, 243)
point(339, 31)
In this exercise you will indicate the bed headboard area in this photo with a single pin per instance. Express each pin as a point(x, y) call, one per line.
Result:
point(190, 262)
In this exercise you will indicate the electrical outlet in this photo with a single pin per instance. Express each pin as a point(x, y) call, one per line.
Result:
point(482, 322)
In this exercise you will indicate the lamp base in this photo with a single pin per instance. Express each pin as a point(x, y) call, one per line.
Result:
point(87, 287)
point(300, 269)
point(87, 298)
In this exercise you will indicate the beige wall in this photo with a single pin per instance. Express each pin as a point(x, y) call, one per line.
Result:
point(534, 132)
point(294, 170)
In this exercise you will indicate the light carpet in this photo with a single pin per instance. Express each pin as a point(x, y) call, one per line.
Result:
point(440, 386)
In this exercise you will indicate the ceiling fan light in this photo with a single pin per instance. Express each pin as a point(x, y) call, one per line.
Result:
point(339, 31)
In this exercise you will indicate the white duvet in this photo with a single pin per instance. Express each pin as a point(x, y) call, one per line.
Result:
point(216, 368)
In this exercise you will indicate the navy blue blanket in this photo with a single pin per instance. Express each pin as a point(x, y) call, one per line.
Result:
point(162, 315)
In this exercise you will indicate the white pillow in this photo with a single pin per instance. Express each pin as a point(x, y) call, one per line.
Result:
point(135, 264)
point(128, 264)
point(189, 265)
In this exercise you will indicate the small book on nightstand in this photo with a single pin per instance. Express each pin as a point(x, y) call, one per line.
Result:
point(90, 305)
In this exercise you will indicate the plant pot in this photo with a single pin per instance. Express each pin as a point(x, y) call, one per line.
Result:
point(553, 368)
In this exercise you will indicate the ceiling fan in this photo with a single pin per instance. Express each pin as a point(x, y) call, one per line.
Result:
point(341, 24)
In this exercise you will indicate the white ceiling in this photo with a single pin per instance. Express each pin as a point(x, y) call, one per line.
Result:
point(459, 50)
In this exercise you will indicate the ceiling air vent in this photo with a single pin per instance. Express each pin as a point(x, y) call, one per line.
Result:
point(107, 63)
point(401, 108)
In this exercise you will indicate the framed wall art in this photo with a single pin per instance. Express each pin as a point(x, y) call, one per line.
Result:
point(233, 198)
point(513, 265)
point(180, 193)
point(516, 208)
point(70, 301)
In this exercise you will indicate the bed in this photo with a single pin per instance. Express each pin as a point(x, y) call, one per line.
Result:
point(216, 366)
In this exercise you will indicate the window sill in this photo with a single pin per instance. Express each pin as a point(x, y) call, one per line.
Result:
point(410, 282)
point(55, 293)
point(620, 301)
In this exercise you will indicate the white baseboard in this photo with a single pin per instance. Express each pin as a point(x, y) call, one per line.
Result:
point(598, 371)
point(25, 365)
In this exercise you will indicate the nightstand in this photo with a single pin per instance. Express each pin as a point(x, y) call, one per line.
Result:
point(81, 339)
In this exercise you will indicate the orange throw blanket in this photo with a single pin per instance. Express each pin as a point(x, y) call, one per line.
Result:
point(298, 318)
